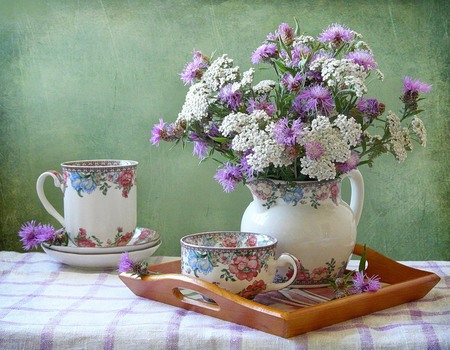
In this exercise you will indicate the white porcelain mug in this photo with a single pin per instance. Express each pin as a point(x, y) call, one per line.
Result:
point(100, 201)
point(241, 262)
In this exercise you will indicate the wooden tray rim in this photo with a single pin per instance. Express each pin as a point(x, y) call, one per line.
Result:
point(413, 284)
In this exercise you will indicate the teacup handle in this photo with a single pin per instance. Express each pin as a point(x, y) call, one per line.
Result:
point(40, 192)
point(284, 259)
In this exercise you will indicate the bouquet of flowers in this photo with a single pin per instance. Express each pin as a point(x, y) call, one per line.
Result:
point(312, 122)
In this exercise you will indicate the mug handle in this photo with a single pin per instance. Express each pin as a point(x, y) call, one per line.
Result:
point(357, 193)
point(40, 191)
point(285, 259)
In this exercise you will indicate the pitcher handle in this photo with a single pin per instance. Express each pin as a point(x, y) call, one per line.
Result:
point(285, 259)
point(357, 195)
point(40, 192)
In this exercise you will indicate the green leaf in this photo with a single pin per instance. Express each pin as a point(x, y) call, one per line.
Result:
point(220, 139)
point(362, 262)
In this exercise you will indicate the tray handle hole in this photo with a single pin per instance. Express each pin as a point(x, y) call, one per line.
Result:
point(195, 298)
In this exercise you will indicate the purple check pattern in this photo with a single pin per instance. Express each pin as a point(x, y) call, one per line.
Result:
point(46, 305)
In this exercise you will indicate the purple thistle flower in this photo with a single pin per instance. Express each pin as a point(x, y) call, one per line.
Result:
point(370, 107)
point(264, 53)
point(33, 234)
point(314, 150)
point(228, 177)
point(246, 169)
point(292, 83)
point(200, 149)
point(261, 104)
point(162, 131)
point(362, 283)
point(230, 96)
point(194, 69)
point(285, 33)
point(126, 263)
point(336, 34)
point(363, 58)
point(285, 134)
point(412, 86)
point(157, 132)
point(297, 54)
point(317, 99)
point(350, 164)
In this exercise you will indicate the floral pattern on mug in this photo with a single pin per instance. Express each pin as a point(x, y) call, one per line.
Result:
point(121, 239)
point(292, 193)
point(83, 240)
point(145, 236)
point(254, 289)
point(85, 182)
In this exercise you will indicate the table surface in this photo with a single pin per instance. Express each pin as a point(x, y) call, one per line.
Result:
point(48, 305)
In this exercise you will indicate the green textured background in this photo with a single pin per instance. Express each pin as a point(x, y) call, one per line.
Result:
point(88, 79)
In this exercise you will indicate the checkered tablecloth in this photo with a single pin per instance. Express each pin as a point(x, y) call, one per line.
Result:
point(47, 305)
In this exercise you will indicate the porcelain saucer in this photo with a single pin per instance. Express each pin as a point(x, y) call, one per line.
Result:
point(96, 261)
point(143, 238)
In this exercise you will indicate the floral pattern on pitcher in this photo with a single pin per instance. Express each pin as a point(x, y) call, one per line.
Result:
point(319, 275)
point(85, 182)
point(312, 193)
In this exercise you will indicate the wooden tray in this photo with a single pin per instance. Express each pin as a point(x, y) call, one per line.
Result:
point(404, 284)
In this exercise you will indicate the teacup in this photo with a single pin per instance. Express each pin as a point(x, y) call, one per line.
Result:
point(99, 201)
point(241, 262)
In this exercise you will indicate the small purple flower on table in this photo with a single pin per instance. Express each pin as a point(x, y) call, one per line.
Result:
point(140, 269)
point(32, 234)
point(362, 283)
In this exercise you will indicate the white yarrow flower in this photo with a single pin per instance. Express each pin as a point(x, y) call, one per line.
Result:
point(397, 140)
point(264, 87)
point(335, 140)
point(247, 77)
point(343, 72)
point(419, 129)
point(220, 73)
point(196, 104)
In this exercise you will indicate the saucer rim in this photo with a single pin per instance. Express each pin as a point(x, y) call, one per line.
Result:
point(105, 250)
point(98, 261)
point(155, 243)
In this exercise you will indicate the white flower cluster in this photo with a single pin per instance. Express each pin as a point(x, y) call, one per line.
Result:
point(419, 129)
point(237, 123)
point(247, 77)
point(399, 141)
point(341, 73)
point(267, 151)
point(254, 132)
point(196, 104)
point(220, 73)
point(335, 140)
point(303, 40)
point(264, 87)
